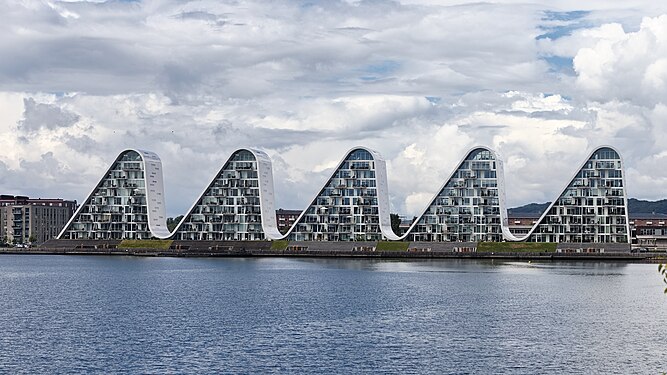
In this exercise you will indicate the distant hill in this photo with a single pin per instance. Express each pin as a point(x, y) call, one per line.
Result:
point(634, 206)
point(532, 208)
point(641, 206)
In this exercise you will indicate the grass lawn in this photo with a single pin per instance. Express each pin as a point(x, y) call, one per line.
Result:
point(517, 247)
point(279, 245)
point(145, 244)
point(392, 246)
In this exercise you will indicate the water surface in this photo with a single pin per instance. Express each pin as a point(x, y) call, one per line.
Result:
point(72, 314)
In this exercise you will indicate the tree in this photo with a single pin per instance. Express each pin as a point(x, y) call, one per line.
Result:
point(662, 268)
point(172, 222)
point(395, 223)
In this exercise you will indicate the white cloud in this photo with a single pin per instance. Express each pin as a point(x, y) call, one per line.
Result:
point(629, 66)
point(538, 103)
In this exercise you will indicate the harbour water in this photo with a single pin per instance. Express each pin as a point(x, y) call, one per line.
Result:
point(97, 314)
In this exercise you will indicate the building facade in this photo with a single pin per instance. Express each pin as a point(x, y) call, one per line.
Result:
point(520, 224)
point(27, 220)
point(591, 208)
point(649, 231)
point(234, 204)
point(127, 203)
point(467, 208)
point(286, 219)
point(353, 205)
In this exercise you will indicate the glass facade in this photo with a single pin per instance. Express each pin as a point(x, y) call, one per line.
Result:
point(238, 205)
point(467, 209)
point(117, 208)
point(593, 206)
point(229, 209)
point(346, 209)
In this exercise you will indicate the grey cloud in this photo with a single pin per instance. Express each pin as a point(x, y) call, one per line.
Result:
point(177, 80)
point(84, 143)
point(41, 178)
point(4, 171)
point(193, 80)
point(203, 16)
point(46, 165)
point(274, 139)
point(298, 50)
point(38, 116)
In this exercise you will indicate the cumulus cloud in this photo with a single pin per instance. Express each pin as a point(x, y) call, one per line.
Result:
point(37, 116)
point(420, 81)
point(628, 66)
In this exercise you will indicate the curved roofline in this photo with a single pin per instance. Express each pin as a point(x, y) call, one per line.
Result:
point(444, 184)
point(266, 203)
point(504, 222)
point(142, 154)
point(383, 200)
point(267, 193)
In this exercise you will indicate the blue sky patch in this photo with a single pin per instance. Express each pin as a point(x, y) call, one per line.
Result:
point(382, 68)
point(564, 16)
point(559, 64)
point(378, 71)
point(573, 20)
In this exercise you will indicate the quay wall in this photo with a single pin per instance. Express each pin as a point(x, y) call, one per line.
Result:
point(366, 249)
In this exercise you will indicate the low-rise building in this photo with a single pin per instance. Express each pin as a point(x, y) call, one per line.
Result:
point(649, 231)
point(286, 218)
point(521, 223)
point(25, 220)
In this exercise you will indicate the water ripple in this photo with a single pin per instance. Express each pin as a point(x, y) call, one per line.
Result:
point(134, 315)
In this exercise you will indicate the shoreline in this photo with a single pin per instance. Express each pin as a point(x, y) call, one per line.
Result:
point(361, 254)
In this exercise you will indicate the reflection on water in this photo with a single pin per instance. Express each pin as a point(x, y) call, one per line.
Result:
point(257, 315)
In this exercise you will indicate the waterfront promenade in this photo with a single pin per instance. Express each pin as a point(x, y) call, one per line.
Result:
point(381, 249)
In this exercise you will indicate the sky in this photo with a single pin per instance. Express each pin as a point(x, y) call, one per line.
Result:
point(541, 82)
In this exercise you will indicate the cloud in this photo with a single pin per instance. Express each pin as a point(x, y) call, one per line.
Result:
point(419, 81)
point(625, 66)
point(37, 116)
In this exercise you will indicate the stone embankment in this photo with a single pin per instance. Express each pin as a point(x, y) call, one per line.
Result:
point(387, 250)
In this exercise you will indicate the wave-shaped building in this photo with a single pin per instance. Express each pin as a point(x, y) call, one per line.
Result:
point(467, 207)
point(238, 204)
point(591, 208)
point(127, 203)
point(353, 204)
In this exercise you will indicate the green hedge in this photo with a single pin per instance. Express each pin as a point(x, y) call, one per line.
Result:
point(517, 247)
point(145, 244)
point(279, 245)
point(392, 246)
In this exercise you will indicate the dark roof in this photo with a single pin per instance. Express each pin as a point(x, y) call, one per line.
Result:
point(647, 216)
point(281, 211)
point(524, 215)
point(23, 200)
